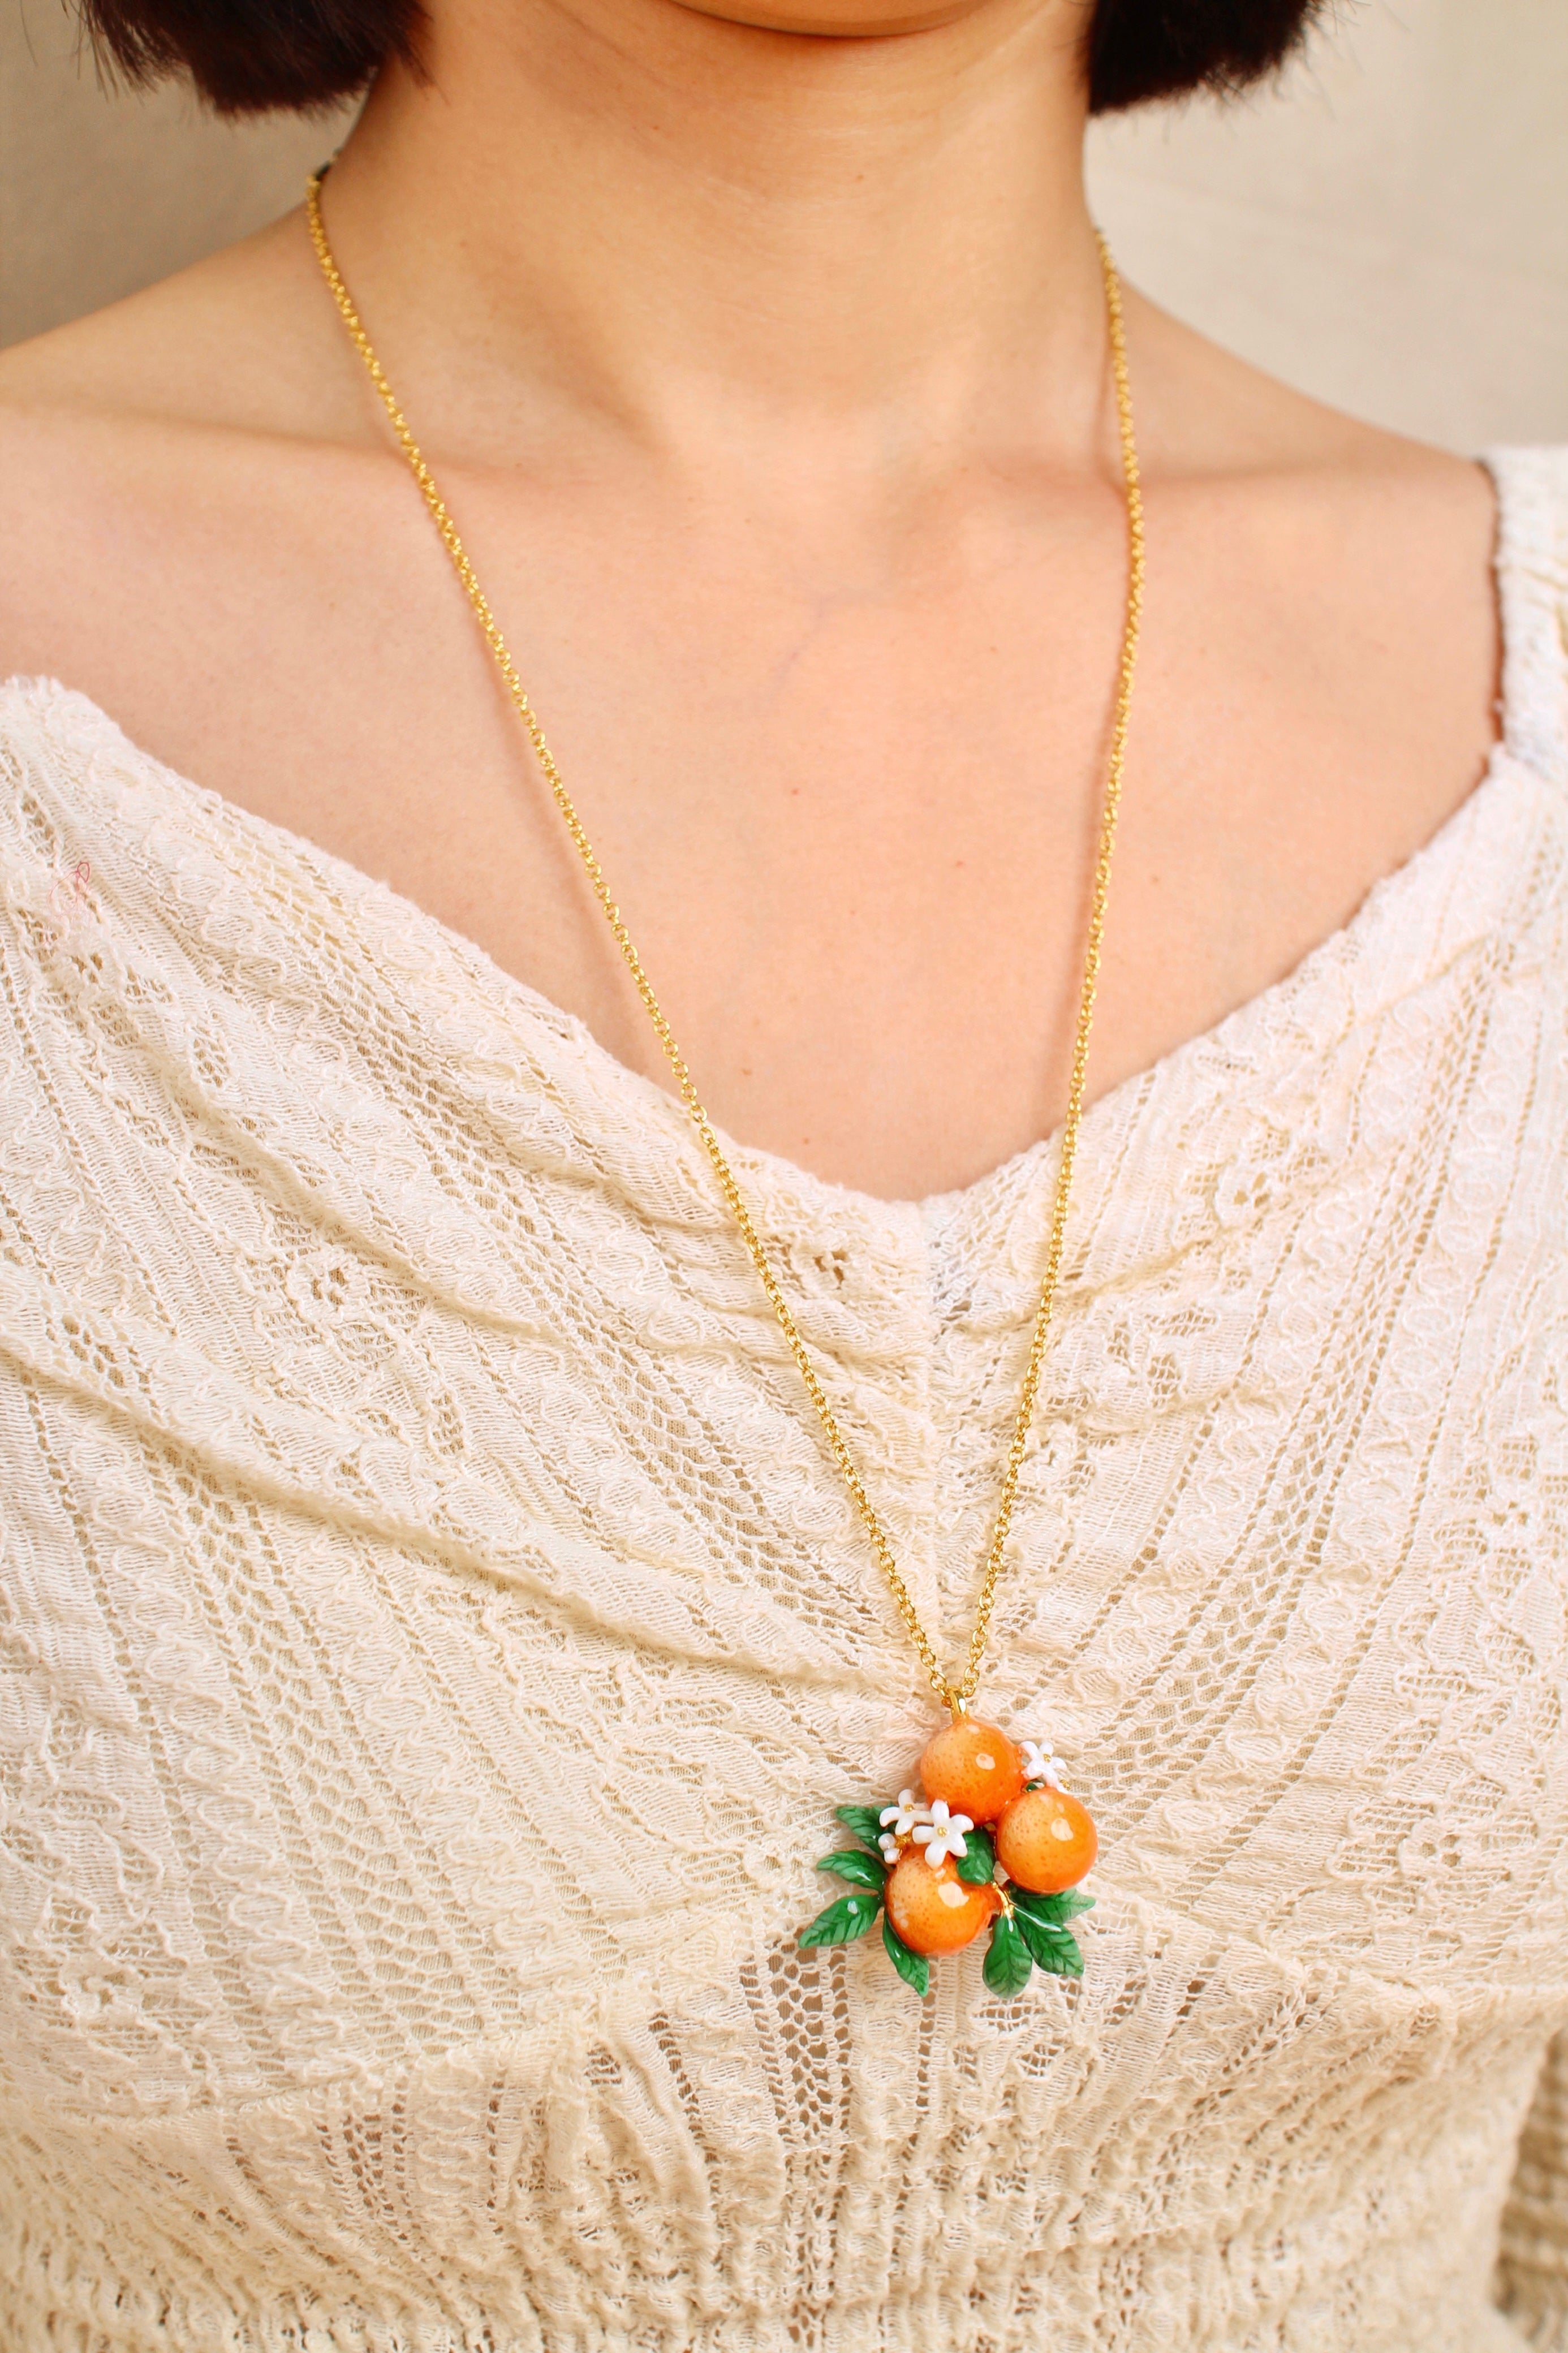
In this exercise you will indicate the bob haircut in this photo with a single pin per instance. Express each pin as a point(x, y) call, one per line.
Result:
point(253, 57)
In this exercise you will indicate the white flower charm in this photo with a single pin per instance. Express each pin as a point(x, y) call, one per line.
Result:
point(891, 1848)
point(1039, 1764)
point(903, 1817)
point(943, 1834)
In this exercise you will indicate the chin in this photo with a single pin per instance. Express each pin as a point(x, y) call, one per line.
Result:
point(830, 20)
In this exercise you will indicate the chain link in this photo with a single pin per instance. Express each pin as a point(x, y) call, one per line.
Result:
point(953, 1692)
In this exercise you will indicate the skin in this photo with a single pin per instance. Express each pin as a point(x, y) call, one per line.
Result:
point(764, 364)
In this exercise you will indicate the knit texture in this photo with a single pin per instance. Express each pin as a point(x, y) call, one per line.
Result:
point(435, 1638)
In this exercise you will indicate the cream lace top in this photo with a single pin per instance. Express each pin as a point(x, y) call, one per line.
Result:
point(434, 1638)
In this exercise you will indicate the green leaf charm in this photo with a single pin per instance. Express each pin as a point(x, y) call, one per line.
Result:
point(866, 1821)
point(1055, 1911)
point(852, 1863)
point(1051, 1948)
point(914, 1970)
point(977, 1863)
point(844, 1921)
point(1008, 1964)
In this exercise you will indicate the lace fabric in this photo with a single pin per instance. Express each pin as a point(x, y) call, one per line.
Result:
point(434, 1638)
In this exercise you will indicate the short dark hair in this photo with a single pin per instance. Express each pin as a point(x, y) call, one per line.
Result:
point(251, 57)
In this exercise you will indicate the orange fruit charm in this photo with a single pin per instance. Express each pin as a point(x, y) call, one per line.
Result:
point(1046, 1840)
point(974, 1767)
point(935, 1911)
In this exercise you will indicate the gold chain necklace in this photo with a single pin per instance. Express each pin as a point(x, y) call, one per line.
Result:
point(989, 1800)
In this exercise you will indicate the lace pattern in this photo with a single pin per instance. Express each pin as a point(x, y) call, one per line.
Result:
point(432, 1633)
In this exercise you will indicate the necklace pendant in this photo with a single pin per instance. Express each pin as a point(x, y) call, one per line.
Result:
point(993, 1841)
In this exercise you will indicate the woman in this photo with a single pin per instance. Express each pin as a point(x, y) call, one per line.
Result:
point(441, 1630)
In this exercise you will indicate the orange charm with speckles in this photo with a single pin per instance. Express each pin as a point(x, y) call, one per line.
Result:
point(974, 1766)
point(1046, 1840)
point(935, 1911)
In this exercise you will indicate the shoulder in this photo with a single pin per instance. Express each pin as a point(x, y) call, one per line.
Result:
point(222, 363)
point(1273, 464)
point(151, 450)
point(227, 342)
point(1352, 567)
point(1319, 512)
point(1449, 554)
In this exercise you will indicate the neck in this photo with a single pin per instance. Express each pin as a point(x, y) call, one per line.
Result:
point(723, 238)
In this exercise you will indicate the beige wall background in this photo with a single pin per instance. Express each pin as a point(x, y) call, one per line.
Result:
point(1388, 228)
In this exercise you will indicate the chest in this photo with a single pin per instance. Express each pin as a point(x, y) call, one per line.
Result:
point(490, 1575)
point(845, 785)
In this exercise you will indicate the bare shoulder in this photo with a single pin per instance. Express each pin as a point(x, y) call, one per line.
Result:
point(1355, 562)
point(1213, 420)
point(219, 344)
point(1266, 461)
point(130, 436)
